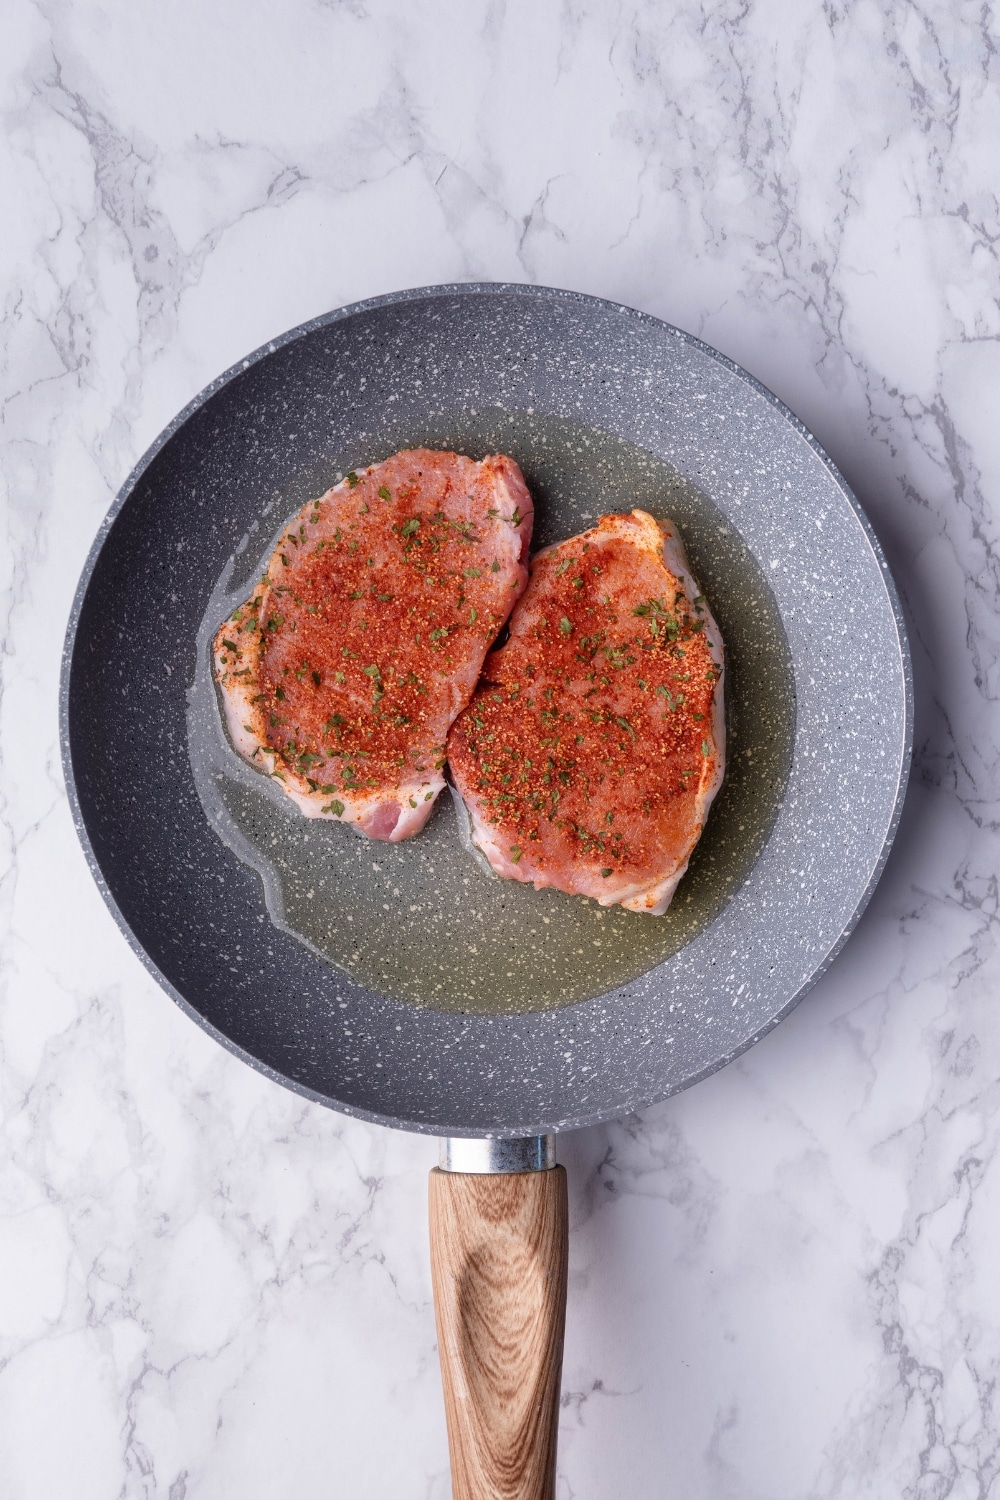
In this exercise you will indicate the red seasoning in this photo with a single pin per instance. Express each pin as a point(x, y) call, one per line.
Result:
point(343, 671)
point(595, 742)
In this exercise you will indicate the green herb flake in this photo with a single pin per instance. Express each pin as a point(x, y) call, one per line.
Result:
point(410, 526)
point(316, 678)
point(335, 807)
point(353, 480)
point(605, 874)
point(565, 626)
point(383, 492)
point(231, 646)
point(515, 854)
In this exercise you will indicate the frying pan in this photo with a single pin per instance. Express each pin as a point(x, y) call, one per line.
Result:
point(400, 984)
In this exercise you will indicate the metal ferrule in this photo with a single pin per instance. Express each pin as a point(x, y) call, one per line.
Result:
point(530, 1153)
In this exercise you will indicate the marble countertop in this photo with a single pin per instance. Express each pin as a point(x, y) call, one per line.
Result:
point(782, 1283)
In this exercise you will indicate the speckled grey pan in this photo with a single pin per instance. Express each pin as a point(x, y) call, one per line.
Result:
point(603, 406)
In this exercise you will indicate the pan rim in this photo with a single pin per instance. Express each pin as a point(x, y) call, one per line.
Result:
point(427, 293)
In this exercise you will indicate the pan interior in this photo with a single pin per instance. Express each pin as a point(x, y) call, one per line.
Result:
point(421, 921)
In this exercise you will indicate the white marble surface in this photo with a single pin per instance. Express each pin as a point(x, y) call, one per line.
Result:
point(783, 1284)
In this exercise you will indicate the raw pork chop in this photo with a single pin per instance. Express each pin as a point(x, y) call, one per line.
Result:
point(595, 741)
point(342, 673)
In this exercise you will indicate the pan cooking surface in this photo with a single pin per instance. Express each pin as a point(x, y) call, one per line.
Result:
point(421, 920)
point(587, 1016)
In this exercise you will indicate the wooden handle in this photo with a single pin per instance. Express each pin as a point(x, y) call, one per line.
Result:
point(498, 1262)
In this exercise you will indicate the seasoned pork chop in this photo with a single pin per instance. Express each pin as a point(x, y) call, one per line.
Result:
point(341, 674)
point(595, 741)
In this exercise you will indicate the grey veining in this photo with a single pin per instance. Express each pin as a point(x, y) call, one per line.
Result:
point(783, 1282)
